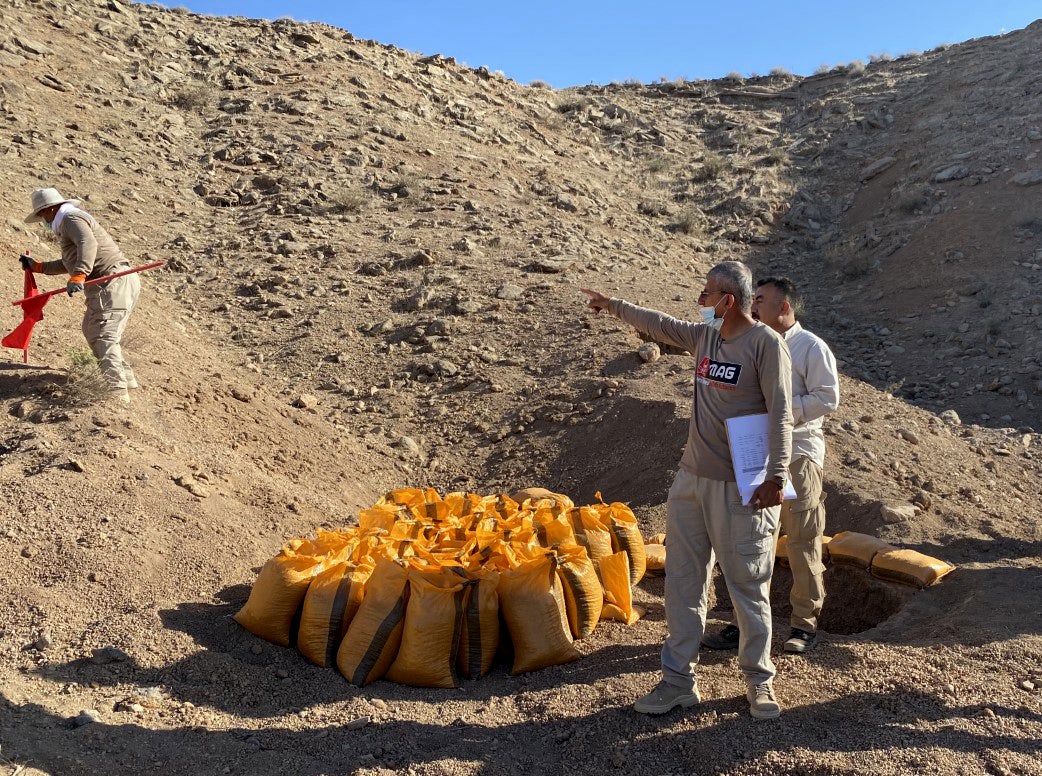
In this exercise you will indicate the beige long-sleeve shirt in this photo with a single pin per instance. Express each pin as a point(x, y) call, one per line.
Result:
point(815, 391)
point(748, 375)
point(87, 249)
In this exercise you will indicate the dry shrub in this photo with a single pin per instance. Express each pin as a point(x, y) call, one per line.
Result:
point(192, 97)
point(775, 157)
point(85, 384)
point(347, 200)
point(658, 164)
point(713, 166)
point(691, 221)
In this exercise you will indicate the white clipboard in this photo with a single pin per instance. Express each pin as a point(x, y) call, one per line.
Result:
point(748, 439)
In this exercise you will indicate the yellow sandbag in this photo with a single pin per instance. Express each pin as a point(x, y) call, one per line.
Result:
point(626, 536)
point(656, 558)
point(367, 549)
point(555, 532)
point(856, 549)
point(590, 532)
point(378, 517)
point(329, 606)
point(583, 596)
point(463, 505)
point(659, 538)
point(532, 602)
point(479, 632)
point(329, 544)
point(374, 635)
point(909, 568)
point(432, 511)
point(277, 595)
point(618, 597)
point(430, 639)
point(408, 498)
point(781, 551)
point(536, 495)
point(501, 506)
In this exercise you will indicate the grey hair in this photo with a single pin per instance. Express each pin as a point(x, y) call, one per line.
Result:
point(735, 278)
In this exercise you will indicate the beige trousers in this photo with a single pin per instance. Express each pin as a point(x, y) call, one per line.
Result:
point(706, 518)
point(803, 521)
point(108, 309)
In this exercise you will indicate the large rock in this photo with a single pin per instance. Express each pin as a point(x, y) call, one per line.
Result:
point(898, 513)
point(1028, 178)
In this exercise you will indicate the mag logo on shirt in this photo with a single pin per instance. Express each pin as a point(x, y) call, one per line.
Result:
point(718, 374)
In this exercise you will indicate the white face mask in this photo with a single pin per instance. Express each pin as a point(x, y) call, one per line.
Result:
point(709, 317)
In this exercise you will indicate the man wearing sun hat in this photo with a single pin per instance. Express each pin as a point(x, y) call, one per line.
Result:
point(89, 252)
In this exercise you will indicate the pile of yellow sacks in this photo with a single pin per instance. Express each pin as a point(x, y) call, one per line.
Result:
point(416, 593)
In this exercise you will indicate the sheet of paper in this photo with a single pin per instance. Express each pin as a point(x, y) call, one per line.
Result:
point(747, 436)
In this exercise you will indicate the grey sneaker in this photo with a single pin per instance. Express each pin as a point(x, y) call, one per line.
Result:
point(727, 638)
point(665, 697)
point(762, 703)
point(800, 641)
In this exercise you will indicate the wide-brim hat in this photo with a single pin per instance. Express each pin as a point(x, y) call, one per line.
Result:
point(43, 199)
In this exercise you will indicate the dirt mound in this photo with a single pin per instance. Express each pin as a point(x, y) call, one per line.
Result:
point(372, 281)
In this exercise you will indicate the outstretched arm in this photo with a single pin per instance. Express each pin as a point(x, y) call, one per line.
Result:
point(657, 325)
point(597, 300)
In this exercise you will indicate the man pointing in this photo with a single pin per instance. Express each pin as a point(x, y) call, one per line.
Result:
point(742, 368)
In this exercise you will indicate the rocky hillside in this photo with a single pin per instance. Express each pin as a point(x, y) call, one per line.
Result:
point(372, 281)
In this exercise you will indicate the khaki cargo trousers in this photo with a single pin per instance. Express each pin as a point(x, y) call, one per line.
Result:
point(803, 521)
point(108, 309)
point(705, 518)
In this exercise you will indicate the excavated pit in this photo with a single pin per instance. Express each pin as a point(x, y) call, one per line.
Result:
point(855, 601)
point(630, 455)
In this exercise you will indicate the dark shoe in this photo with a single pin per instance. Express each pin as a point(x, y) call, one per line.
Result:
point(727, 638)
point(800, 641)
point(665, 697)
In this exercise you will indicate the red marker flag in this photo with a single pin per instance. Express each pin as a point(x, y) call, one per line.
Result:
point(34, 301)
point(19, 338)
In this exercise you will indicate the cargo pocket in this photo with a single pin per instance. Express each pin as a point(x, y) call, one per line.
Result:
point(754, 559)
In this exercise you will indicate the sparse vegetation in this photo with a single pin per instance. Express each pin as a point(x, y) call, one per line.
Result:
point(85, 384)
point(691, 221)
point(713, 166)
point(781, 72)
point(857, 67)
point(822, 69)
point(775, 156)
point(573, 104)
point(657, 165)
point(541, 85)
point(347, 200)
point(192, 97)
point(652, 208)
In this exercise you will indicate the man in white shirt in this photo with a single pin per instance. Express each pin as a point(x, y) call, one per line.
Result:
point(815, 393)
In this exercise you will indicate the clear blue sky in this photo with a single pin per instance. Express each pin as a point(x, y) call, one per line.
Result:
point(576, 42)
